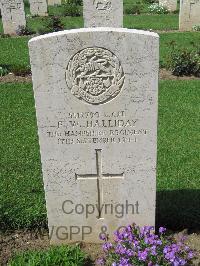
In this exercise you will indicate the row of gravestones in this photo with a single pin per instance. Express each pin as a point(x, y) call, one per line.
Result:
point(13, 14)
point(189, 15)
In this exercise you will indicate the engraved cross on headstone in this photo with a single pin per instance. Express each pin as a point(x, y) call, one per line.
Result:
point(99, 177)
point(12, 6)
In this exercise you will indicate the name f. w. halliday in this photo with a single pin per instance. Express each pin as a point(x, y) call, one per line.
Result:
point(118, 210)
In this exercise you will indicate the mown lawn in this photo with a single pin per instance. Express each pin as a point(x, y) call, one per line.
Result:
point(153, 22)
point(22, 201)
point(178, 182)
point(142, 21)
point(14, 51)
point(21, 190)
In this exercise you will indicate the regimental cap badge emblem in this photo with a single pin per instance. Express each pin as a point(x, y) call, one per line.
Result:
point(95, 75)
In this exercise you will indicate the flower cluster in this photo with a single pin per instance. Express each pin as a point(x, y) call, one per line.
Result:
point(155, 8)
point(141, 246)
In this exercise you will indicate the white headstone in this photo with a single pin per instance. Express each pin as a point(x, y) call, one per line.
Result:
point(171, 5)
point(54, 2)
point(38, 7)
point(103, 13)
point(189, 15)
point(96, 94)
point(13, 16)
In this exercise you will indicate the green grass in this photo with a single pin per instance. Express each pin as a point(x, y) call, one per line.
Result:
point(154, 22)
point(181, 39)
point(14, 51)
point(143, 21)
point(178, 182)
point(178, 130)
point(27, 6)
point(21, 191)
point(63, 255)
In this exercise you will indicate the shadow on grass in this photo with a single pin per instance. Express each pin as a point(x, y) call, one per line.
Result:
point(178, 209)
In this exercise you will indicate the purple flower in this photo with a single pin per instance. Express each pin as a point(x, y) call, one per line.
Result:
point(159, 242)
point(119, 235)
point(142, 255)
point(144, 247)
point(146, 230)
point(190, 255)
point(153, 251)
point(124, 262)
point(107, 246)
point(182, 262)
point(162, 230)
point(120, 249)
point(150, 240)
point(129, 253)
point(170, 256)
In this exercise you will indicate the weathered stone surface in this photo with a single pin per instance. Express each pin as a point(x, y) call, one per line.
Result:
point(171, 5)
point(38, 7)
point(13, 16)
point(189, 14)
point(103, 13)
point(54, 2)
point(96, 94)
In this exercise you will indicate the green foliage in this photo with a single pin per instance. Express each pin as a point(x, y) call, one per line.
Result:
point(21, 70)
point(71, 9)
point(2, 35)
point(62, 256)
point(151, 1)
point(75, 2)
point(26, 3)
point(3, 70)
point(184, 61)
point(182, 40)
point(25, 30)
point(134, 9)
point(53, 24)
